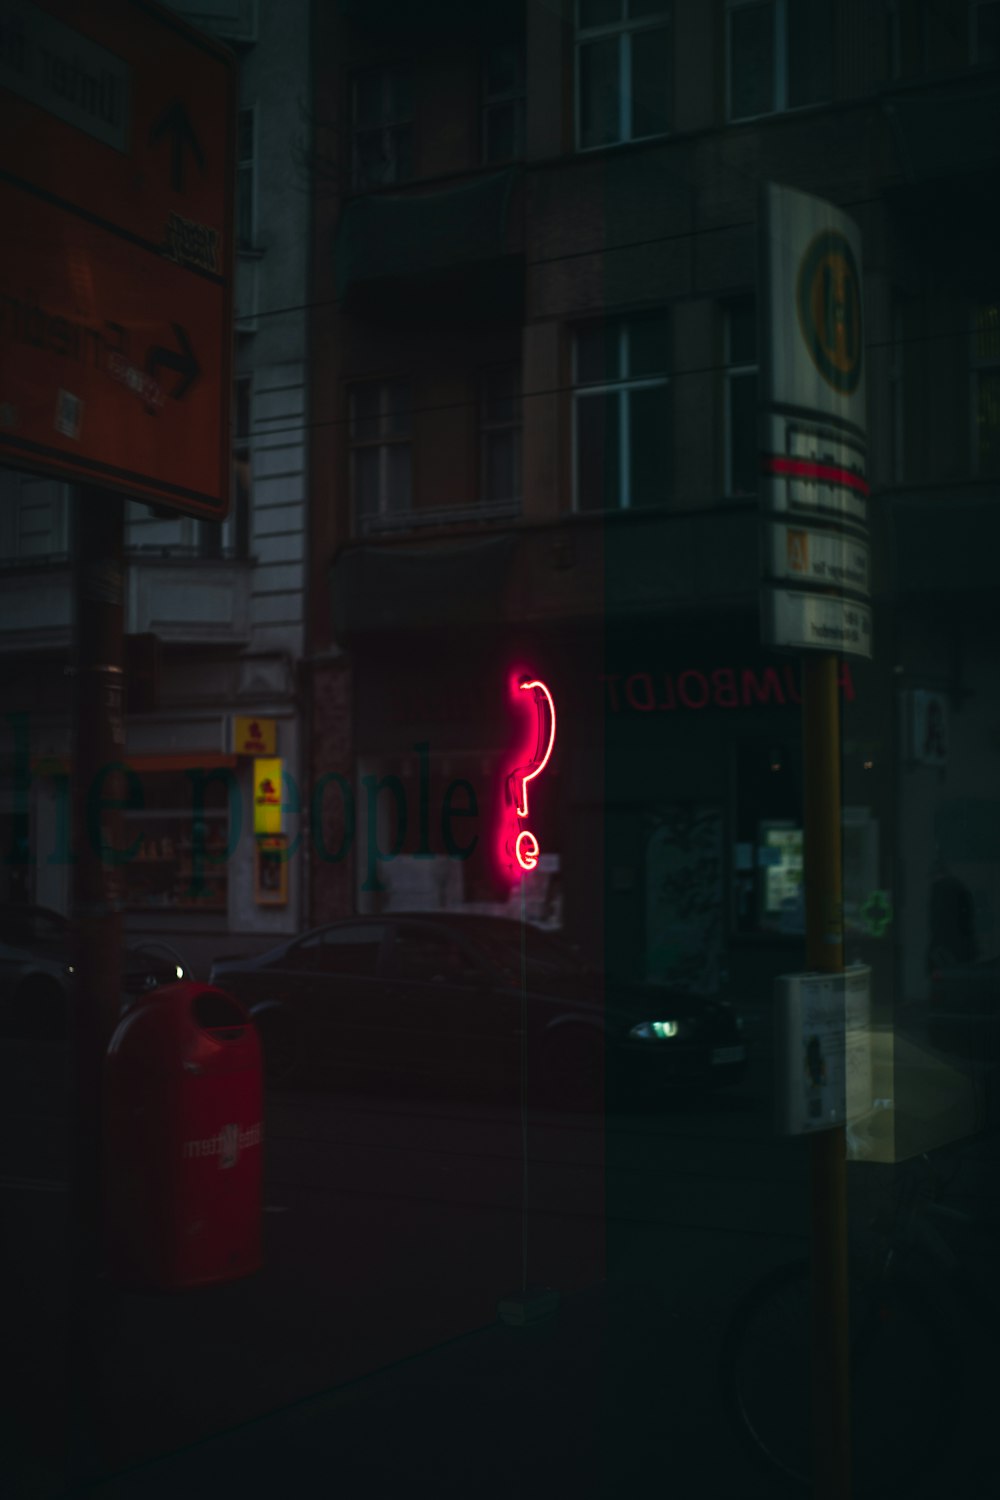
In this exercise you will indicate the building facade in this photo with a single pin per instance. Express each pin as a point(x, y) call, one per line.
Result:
point(534, 356)
point(214, 611)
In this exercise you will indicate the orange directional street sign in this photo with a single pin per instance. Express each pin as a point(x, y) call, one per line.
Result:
point(117, 139)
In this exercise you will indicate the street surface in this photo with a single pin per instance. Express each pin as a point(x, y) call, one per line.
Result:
point(393, 1227)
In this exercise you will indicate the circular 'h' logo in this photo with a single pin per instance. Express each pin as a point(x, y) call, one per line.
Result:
point(829, 307)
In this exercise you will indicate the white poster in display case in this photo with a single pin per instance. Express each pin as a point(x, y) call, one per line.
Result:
point(823, 1050)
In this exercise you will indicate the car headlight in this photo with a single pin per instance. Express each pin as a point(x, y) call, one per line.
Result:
point(178, 971)
point(655, 1031)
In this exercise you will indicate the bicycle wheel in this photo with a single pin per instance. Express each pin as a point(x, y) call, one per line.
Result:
point(904, 1382)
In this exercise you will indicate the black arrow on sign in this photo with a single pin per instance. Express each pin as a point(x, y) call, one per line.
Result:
point(184, 362)
point(174, 122)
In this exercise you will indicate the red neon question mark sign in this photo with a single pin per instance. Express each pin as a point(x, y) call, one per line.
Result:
point(526, 849)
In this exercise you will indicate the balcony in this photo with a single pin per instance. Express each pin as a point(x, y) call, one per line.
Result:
point(189, 600)
point(185, 600)
point(398, 523)
point(449, 254)
point(604, 568)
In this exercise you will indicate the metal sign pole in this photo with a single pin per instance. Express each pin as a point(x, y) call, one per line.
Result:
point(828, 1185)
point(98, 744)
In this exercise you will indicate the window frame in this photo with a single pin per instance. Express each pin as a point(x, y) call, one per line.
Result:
point(508, 503)
point(48, 491)
point(623, 386)
point(246, 170)
point(515, 97)
point(975, 7)
point(383, 442)
point(978, 365)
point(780, 96)
point(733, 371)
point(624, 29)
point(230, 538)
point(389, 123)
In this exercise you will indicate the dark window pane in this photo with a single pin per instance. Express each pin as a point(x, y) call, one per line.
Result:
point(751, 63)
point(240, 531)
point(400, 167)
point(911, 47)
point(988, 332)
point(599, 93)
point(597, 450)
point(501, 455)
point(365, 410)
point(245, 148)
point(426, 958)
point(988, 34)
point(639, 8)
point(743, 333)
point(401, 96)
point(399, 496)
point(242, 413)
point(398, 409)
point(649, 445)
point(366, 466)
point(244, 206)
point(371, 166)
point(503, 71)
point(651, 82)
point(810, 50)
point(500, 393)
point(743, 462)
point(353, 951)
point(648, 346)
point(369, 93)
point(988, 425)
point(597, 357)
point(601, 12)
point(500, 142)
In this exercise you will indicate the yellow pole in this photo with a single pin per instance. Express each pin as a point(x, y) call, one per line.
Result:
point(825, 954)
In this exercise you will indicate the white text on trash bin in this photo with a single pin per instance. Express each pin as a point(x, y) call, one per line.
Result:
point(227, 1145)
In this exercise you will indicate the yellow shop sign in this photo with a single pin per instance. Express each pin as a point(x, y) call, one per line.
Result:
point(267, 794)
point(255, 736)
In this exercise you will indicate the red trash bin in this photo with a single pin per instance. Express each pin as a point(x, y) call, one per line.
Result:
point(183, 1141)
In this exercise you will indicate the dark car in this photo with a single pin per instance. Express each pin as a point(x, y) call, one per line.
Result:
point(415, 998)
point(36, 970)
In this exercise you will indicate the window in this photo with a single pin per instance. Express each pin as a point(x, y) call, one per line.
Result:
point(181, 862)
point(621, 414)
point(381, 451)
point(779, 55)
point(231, 537)
point(381, 128)
point(245, 204)
point(503, 104)
point(500, 437)
point(741, 398)
point(907, 38)
point(985, 40)
point(986, 377)
point(623, 68)
point(34, 516)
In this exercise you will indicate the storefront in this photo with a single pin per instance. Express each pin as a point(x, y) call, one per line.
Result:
point(669, 818)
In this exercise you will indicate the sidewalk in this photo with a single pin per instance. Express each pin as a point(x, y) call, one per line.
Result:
point(367, 1355)
point(599, 1401)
